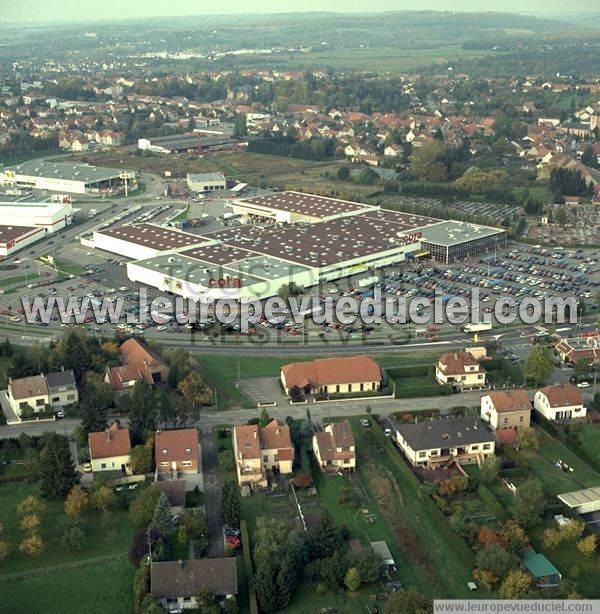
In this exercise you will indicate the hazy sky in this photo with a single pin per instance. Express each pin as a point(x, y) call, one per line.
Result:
point(37, 11)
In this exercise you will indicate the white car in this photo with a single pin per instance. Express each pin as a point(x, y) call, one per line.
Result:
point(583, 385)
point(15, 319)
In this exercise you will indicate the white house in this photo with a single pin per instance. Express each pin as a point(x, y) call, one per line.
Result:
point(559, 402)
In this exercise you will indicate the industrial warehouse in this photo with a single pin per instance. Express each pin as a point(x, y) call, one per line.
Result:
point(67, 177)
point(23, 223)
point(288, 236)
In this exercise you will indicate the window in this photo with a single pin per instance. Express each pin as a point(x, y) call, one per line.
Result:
point(505, 420)
point(475, 447)
point(70, 397)
point(55, 399)
point(346, 461)
point(266, 458)
point(164, 451)
point(337, 388)
point(40, 402)
point(103, 466)
point(164, 464)
point(486, 446)
point(275, 458)
point(422, 454)
point(188, 450)
point(186, 463)
point(362, 387)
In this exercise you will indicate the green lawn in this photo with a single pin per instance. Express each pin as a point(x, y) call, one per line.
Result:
point(17, 279)
point(108, 534)
point(589, 438)
point(556, 480)
point(93, 588)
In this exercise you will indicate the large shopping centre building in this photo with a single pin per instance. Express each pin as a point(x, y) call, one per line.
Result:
point(288, 237)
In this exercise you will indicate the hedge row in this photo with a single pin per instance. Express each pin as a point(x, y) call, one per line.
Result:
point(431, 390)
point(248, 566)
point(410, 371)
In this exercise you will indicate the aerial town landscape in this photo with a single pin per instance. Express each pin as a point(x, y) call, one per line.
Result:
point(299, 312)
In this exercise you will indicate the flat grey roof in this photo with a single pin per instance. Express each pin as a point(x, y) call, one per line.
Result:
point(580, 497)
point(68, 170)
point(193, 271)
point(303, 204)
point(153, 236)
point(454, 233)
point(205, 177)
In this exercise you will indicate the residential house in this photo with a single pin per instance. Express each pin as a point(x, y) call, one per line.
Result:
point(570, 351)
point(334, 448)
point(139, 362)
point(259, 450)
point(110, 449)
point(433, 443)
point(39, 392)
point(559, 402)
point(332, 375)
point(393, 151)
point(460, 369)
point(506, 409)
point(177, 451)
point(176, 585)
point(62, 388)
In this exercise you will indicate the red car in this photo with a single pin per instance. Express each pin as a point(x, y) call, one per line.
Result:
point(233, 542)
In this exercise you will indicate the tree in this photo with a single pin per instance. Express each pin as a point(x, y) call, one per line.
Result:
point(366, 176)
point(141, 585)
point(73, 536)
point(407, 602)
point(102, 498)
point(162, 519)
point(30, 505)
point(141, 407)
point(30, 524)
point(515, 585)
point(55, 466)
point(239, 125)
point(76, 502)
point(573, 530)
point(587, 545)
point(226, 460)
point(151, 606)
point(140, 459)
point(324, 536)
point(496, 561)
point(369, 565)
point(32, 545)
point(526, 438)
point(264, 418)
point(426, 162)
point(582, 368)
point(284, 587)
point(142, 507)
point(144, 541)
point(93, 405)
point(179, 366)
point(539, 365)
point(195, 392)
point(4, 550)
point(230, 504)
point(265, 587)
point(513, 537)
point(193, 523)
point(352, 580)
point(552, 538)
point(530, 502)
point(343, 173)
point(490, 469)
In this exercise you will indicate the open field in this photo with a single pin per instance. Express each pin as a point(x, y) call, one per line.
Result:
point(108, 534)
point(389, 59)
point(589, 439)
point(94, 587)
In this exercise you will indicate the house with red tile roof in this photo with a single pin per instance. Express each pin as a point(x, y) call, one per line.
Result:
point(559, 402)
point(505, 409)
point(459, 369)
point(110, 449)
point(139, 362)
point(177, 451)
point(262, 450)
point(334, 448)
point(345, 374)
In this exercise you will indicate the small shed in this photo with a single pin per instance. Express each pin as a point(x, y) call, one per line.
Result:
point(542, 570)
point(383, 552)
point(582, 501)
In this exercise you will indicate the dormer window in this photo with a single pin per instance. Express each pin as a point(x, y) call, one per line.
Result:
point(164, 451)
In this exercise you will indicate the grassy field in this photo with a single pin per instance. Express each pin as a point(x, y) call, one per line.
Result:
point(5, 282)
point(97, 587)
point(108, 534)
point(589, 438)
point(389, 59)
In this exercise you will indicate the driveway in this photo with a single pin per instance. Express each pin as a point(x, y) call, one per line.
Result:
point(212, 493)
point(11, 417)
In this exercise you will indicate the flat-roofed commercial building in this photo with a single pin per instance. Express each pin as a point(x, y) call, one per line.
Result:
point(68, 177)
point(205, 182)
point(141, 241)
point(14, 238)
point(452, 241)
